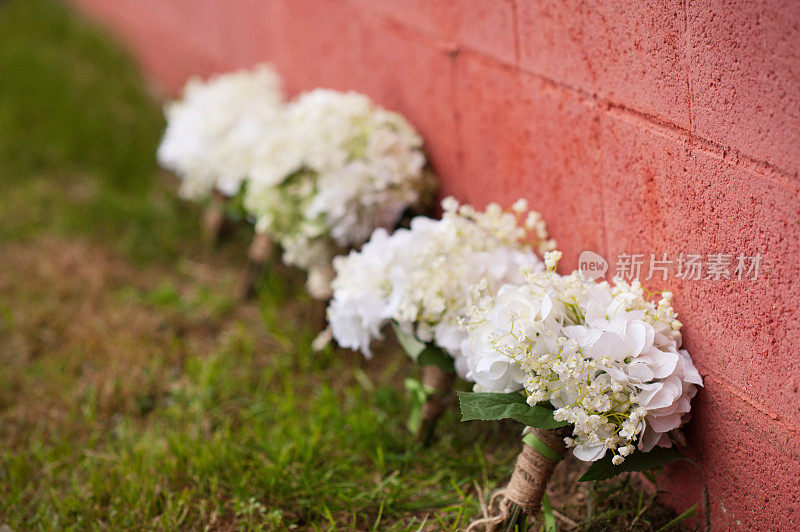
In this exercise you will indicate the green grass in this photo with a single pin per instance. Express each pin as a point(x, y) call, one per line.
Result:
point(77, 137)
point(136, 392)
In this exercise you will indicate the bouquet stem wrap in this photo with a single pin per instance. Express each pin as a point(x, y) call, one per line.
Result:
point(440, 383)
point(541, 452)
point(257, 254)
point(260, 248)
point(214, 218)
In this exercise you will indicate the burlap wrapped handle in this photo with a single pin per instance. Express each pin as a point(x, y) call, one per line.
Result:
point(441, 382)
point(258, 254)
point(524, 492)
point(214, 218)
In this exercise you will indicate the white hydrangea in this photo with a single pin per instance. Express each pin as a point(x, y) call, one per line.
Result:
point(369, 162)
point(420, 277)
point(605, 357)
point(363, 296)
point(339, 169)
point(213, 129)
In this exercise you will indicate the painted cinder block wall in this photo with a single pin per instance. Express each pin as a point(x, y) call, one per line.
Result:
point(634, 127)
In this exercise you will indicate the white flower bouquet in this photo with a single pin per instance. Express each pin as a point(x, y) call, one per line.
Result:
point(213, 129)
point(419, 279)
point(213, 133)
point(601, 364)
point(340, 168)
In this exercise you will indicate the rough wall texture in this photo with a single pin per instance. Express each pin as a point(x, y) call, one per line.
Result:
point(634, 128)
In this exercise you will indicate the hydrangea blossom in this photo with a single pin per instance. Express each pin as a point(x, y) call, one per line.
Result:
point(606, 357)
point(340, 168)
point(420, 277)
point(214, 129)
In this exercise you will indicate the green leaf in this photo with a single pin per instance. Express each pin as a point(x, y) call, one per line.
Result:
point(492, 406)
point(638, 461)
point(684, 516)
point(422, 353)
point(547, 513)
point(419, 396)
point(409, 343)
point(435, 356)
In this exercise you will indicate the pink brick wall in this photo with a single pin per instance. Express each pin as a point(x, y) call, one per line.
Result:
point(633, 128)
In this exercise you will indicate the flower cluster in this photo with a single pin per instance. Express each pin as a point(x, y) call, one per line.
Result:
point(340, 168)
point(420, 277)
point(606, 357)
point(214, 129)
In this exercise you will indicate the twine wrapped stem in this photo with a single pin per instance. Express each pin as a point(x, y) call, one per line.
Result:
point(258, 254)
point(440, 383)
point(541, 451)
point(214, 218)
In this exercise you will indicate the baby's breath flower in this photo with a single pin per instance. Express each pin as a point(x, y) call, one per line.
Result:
point(428, 277)
point(606, 358)
point(551, 259)
point(449, 204)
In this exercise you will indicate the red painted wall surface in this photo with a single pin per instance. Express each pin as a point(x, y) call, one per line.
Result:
point(634, 128)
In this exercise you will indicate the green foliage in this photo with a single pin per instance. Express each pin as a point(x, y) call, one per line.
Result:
point(547, 515)
point(687, 514)
point(422, 353)
point(494, 406)
point(418, 395)
point(623, 504)
point(638, 461)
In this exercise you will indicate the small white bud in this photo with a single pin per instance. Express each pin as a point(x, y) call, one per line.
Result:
point(520, 206)
point(551, 259)
point(449, 203)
